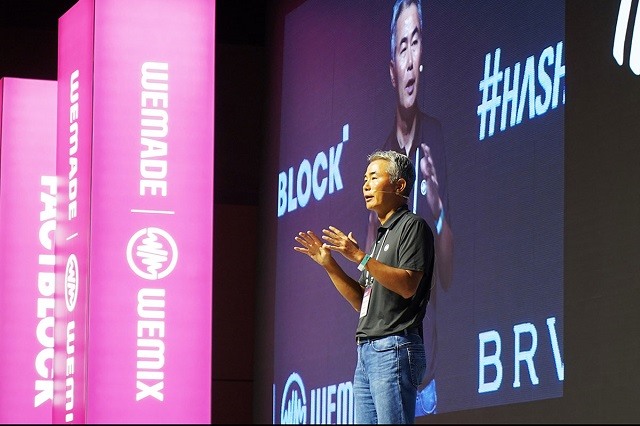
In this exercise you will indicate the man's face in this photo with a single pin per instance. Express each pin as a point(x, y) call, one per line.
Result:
point(404, 69)
point(380, 195)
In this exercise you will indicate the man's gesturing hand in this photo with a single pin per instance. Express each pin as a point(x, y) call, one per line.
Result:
point(313, 247)
point(344, 244)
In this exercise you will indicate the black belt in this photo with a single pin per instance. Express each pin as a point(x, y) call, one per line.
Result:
point(407, 331)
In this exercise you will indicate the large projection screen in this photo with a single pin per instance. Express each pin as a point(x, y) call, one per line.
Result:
point(595, 272)
point(492, 80)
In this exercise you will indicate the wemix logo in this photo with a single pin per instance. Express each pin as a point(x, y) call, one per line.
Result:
point(294, 401)
point(621, 34)
point(329, 404)
point(152, 253)
point(71, 283)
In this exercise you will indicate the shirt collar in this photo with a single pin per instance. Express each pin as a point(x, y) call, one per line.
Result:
point(401, 211)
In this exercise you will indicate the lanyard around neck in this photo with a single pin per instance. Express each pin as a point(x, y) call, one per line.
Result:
point(384, 238)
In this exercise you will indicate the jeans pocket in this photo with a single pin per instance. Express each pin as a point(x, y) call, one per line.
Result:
point(417, 364)
point(385, 344)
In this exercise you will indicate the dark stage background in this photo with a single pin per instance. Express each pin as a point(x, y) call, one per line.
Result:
point(601, 208)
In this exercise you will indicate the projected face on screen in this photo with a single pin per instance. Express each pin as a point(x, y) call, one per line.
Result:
point(406, 45)
point(473, 93)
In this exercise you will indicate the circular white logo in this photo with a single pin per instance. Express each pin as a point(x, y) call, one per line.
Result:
point(294, 402)
point(423, 187)
point(71, 283)
point(152, 253)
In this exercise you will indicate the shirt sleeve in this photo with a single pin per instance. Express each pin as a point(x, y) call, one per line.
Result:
point(416, 248)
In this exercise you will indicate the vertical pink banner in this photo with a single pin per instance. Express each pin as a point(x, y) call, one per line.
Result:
point(149, 234)
point(27, 233)
point(73, 236)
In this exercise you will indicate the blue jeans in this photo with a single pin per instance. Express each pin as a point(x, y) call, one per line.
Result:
point(386, 379)
point(427, 400)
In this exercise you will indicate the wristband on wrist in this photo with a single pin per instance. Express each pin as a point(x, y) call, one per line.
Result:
point(439, 221)
point(364, 261)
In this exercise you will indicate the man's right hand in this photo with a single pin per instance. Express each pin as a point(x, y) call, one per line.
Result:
point(313, 247)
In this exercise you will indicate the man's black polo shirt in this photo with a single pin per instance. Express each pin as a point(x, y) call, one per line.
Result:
point(405, 241)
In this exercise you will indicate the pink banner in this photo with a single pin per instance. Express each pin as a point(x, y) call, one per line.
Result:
point(73, 237)
point(137, 253)
point(27, 233)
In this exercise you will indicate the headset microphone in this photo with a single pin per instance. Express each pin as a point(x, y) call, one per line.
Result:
point(391, 192)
